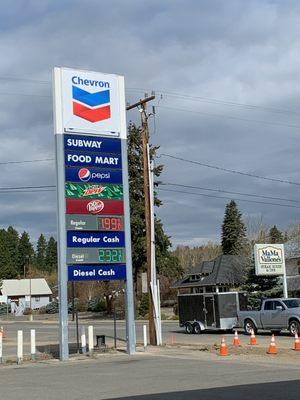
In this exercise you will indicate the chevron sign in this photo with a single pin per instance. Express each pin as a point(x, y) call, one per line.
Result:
point(86, 104)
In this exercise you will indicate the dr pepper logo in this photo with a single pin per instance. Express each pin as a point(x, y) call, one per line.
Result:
point(95, 206)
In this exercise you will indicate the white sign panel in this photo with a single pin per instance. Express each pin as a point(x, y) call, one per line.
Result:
point(89, 102)
point(269, 259)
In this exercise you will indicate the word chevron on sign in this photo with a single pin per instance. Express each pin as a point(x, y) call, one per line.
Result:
point(93, 191)
point(95, 239)
point(101, 272)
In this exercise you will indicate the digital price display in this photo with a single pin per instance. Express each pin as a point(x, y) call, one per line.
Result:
point(108, 256)
point(110, 223)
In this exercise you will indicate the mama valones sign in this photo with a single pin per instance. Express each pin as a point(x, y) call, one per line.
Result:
point(269, 259)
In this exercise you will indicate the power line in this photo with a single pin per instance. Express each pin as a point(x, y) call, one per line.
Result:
point(228, 198)
point(27, 191)
point(171, 94)
point(27, 187)
point(26, 161)
point(230, 117)
point(16, 78)
point(226, 191)
point(217, 101)
point(229, 170)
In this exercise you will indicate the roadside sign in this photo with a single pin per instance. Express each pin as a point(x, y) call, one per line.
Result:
point(269, 259)
point(92, 182)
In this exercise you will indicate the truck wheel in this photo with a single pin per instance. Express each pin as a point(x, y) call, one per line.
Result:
point(188, 328)
point(196, 328)
point(249, 326)
point(294, 327)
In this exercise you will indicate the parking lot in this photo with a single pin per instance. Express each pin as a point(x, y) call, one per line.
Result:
point(47, 335)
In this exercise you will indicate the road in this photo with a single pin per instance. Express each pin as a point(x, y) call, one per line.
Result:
point(162, 375)
point(47, 334)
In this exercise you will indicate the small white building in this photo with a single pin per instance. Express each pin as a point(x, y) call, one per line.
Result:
point(34, 293)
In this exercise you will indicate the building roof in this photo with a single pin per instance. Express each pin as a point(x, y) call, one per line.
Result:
point(224, 270)
point(25, 287)
point(293, 283)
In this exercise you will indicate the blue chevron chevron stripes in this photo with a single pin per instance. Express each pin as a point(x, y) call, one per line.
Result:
point(91, 99)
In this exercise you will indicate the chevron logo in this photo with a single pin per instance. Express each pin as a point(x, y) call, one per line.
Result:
point(86, 104)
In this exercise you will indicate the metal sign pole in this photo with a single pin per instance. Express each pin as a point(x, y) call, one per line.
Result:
point(129, 298)
point(61, 242)
point(81, 138)
point(285, 290)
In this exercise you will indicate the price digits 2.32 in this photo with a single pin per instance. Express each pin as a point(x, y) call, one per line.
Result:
point(111, 255)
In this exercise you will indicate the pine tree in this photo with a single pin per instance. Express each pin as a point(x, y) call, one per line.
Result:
point(258, 286)
point(275, 235)
point(233, 231)
point(25, 254)
point(51, 255)
point(166, 262)
point(40, 256)
point(7, 270)
point(12, 245)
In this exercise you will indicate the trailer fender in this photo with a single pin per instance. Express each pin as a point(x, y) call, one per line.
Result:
point(198, 327)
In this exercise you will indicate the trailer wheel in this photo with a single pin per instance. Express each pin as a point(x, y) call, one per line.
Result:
point(249, 326)
point(196, 328)
point(189, 328)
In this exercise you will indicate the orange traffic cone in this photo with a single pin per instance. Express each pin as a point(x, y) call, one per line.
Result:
point(223, 348)
point(272, 347)
point(253, 341)
point(2, 331)
point(236, 341)
point(297, 342)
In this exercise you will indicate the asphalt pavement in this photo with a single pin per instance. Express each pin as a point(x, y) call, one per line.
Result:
point(163, 375)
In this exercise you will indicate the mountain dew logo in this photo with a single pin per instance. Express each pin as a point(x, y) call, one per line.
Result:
point(91, 191)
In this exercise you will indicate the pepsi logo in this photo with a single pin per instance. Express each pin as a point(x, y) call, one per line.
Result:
point(84, 174)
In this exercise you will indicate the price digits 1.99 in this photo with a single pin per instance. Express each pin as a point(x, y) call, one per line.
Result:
point(110, 223)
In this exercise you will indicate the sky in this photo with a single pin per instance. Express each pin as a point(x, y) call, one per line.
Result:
point(226, 77)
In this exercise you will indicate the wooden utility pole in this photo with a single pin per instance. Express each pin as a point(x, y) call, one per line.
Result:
point(142, 106)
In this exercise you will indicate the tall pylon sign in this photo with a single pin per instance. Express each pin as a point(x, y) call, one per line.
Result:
point(94, 241)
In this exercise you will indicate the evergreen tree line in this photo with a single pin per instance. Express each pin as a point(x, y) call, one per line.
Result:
point(236, 242)
point(18, 255)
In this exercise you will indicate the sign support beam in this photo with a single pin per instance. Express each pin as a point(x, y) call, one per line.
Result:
point(129, 298)
point(62, 246)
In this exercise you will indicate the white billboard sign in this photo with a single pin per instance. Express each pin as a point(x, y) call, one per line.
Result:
point(90, 102)
point(269, 259)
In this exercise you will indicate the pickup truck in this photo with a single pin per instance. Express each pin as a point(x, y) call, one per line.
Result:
point(274, 315)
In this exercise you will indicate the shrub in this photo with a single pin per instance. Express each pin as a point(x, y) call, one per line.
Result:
point(144, 305)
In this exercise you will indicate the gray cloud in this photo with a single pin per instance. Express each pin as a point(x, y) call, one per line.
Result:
point(236, 51)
